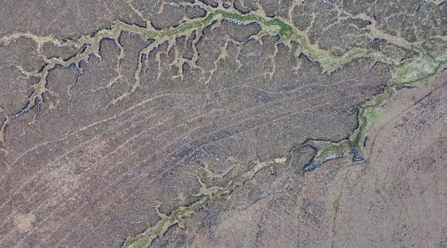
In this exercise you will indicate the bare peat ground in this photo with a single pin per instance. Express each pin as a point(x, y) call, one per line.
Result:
point(398, 196)
point(190, 123)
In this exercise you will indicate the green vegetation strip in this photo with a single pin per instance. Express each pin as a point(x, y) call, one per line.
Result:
point(93, 42)
point(145, 239)
point(410, 72)
point(287, 32)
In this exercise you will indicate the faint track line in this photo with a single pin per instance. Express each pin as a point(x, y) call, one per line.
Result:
point(239, 113)
point(209, 144)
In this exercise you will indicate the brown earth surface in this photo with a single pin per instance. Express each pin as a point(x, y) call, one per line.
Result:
point(396, 198)
point(187, 123)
